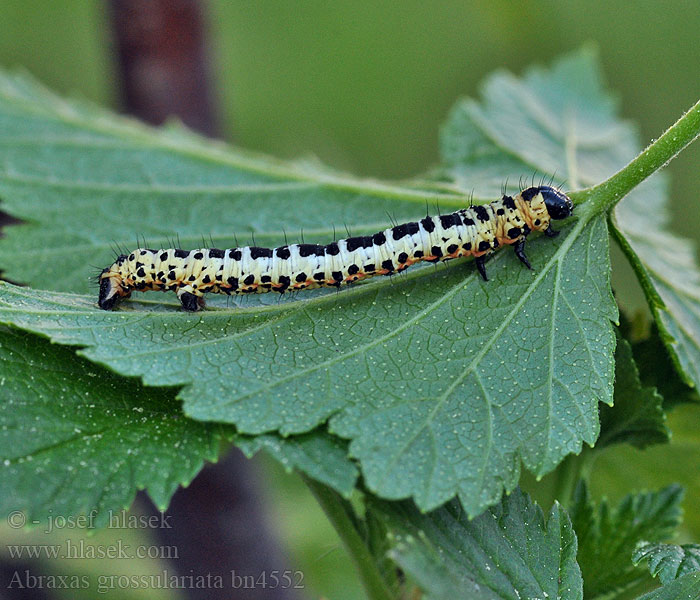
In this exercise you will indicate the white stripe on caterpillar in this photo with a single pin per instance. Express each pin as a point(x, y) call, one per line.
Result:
point(476, 231)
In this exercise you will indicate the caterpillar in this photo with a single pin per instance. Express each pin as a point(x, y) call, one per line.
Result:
point(475, 231)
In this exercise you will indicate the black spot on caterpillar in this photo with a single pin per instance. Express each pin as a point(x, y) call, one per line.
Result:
point(476, 231)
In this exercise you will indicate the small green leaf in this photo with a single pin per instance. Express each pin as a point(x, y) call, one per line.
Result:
point(509, 552)
point(607, 539)
point(637, 416)
point(317, 454)
point(669, 561)
point(683, 588)
point(657, 369)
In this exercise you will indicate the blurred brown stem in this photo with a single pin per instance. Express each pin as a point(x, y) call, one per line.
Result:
point(162, 61)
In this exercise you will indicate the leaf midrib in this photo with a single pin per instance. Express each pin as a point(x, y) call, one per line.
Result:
point(159, 188)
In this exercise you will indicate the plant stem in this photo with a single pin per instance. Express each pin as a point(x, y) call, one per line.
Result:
point(571, 469)
point(340, 513)
point(608, 193)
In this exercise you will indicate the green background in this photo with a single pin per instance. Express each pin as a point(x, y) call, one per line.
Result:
point(364, 86)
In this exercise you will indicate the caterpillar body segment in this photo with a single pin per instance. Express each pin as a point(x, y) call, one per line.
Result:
point(475, 231)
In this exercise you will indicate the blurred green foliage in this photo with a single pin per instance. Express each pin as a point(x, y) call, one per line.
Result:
point(365, 86)
point(66, 44)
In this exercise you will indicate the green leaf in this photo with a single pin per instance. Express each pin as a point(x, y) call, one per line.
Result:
point(443, 383)
point(607, 539)
point(657, 369)
point(683, 588)
point(75, 438)
point(668, 271)
point(509, 552)
point(637, 416)
point(669, 561)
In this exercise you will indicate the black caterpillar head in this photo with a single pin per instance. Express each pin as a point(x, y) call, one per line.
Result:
point(111, 290)
point(559, 205)
point(109, 294)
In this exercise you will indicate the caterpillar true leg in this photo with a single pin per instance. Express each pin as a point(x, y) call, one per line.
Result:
point(480, 260)
point(519, 248)
point(474, 231)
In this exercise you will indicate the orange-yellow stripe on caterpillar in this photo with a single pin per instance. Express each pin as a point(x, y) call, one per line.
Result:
point(475, 231)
